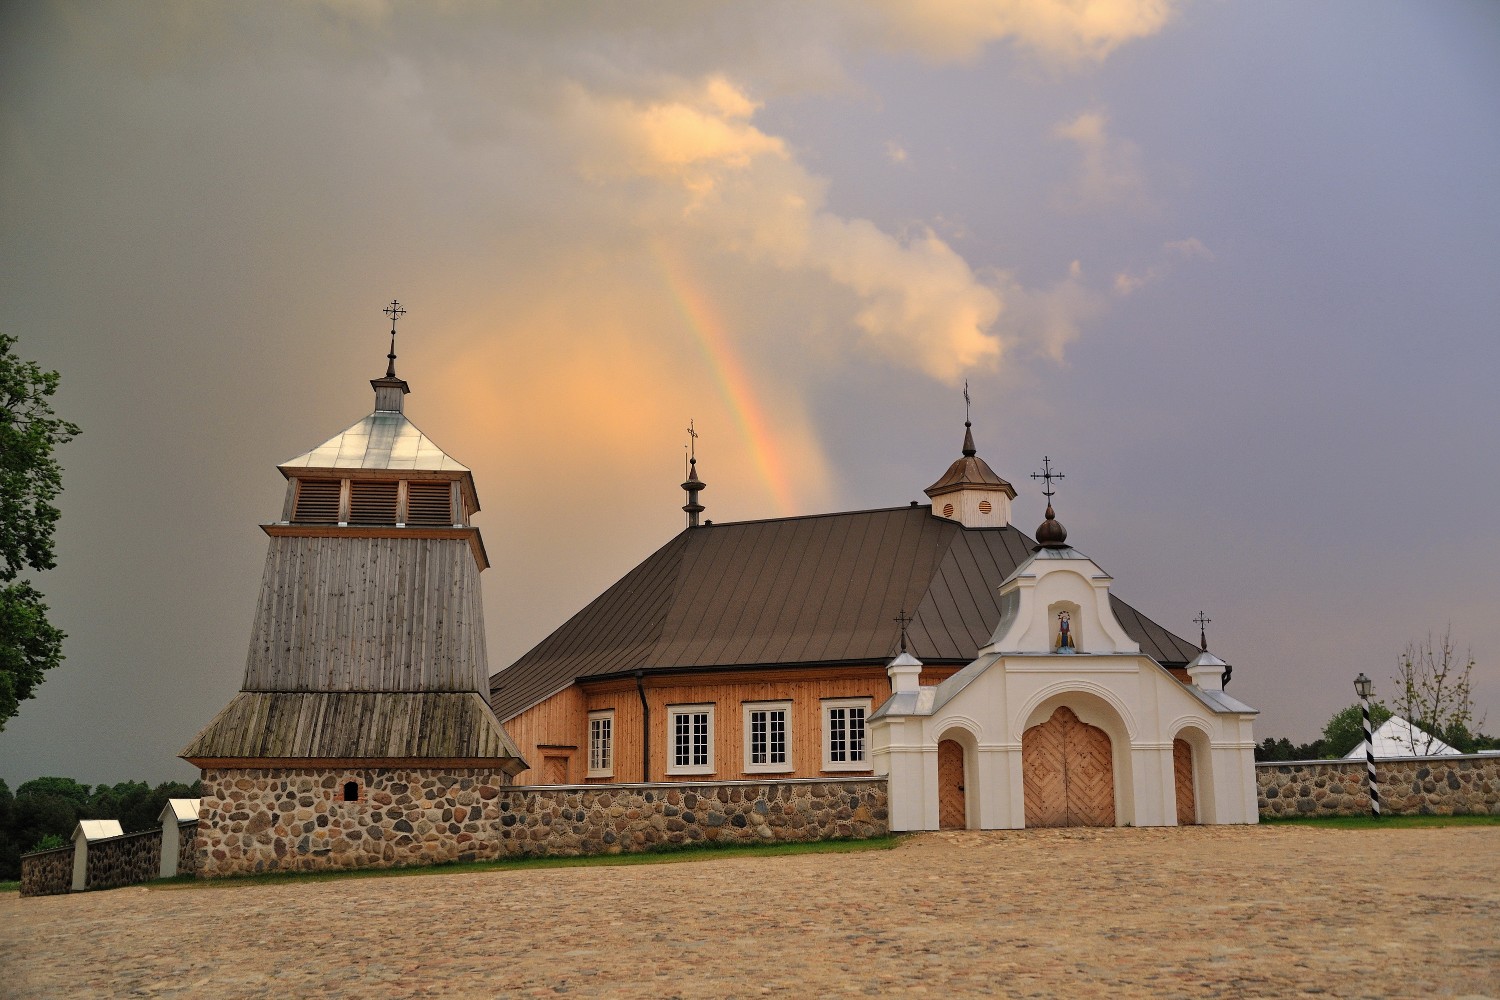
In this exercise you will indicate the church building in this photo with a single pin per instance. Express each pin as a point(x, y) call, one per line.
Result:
point(772, 648)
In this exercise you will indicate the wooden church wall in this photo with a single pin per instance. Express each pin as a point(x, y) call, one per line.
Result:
point(562, 720)
point(417, 619)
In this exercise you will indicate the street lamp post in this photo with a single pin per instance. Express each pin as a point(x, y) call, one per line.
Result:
point(1364, 686)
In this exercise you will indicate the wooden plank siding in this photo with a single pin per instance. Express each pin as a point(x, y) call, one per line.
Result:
point(385, 725)
point(562, 720)
point(368, 614)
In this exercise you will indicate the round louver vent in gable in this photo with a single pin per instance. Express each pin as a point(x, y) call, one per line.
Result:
point(947, 510)
point(984, 507)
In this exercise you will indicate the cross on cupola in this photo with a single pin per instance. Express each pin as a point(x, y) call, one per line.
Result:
point(391, 388)
point(395, 311)
point(1203, 623)
point(1051, 534)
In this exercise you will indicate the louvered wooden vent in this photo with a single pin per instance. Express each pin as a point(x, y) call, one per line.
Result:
point(984, 507)
point(372, 502)
point(429, 503)
point(318, 501)
point(947, 510)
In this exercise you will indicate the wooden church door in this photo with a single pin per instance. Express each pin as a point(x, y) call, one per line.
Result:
point(952, 807)
point(1182, 773)
point(1068, 775)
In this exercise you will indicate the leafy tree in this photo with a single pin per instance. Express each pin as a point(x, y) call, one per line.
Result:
point(30, 479)
point(1271, 750)
point(65, 788)
point(1432, 690)
point(1346, 730)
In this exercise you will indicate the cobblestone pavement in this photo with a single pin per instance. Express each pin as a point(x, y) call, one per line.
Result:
point(1226, 912)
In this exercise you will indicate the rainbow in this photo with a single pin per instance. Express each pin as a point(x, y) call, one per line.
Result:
point(710, 332)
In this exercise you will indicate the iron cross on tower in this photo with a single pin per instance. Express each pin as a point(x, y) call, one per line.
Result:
point(395, 312)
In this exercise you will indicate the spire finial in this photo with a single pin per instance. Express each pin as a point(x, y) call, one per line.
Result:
point(902, 620)
point(969, 450)
point(1203, 623)
point(693, 508)
point(395, 312)
point(1051, 534)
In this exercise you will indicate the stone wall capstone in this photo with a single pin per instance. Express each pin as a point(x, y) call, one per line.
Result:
point(135, 857)
point(47, 873)
point(289, 819)
point(1439, 786)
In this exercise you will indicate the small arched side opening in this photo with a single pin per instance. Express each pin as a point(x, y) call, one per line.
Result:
point(958, 792)
point(350, 792)
point(1192, 774)
point(1075, 763)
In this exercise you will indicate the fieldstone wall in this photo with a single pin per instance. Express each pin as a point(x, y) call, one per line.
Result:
point(47, 873)
point(135, 857)
point(611, 819)
point(187, 848)
point(1409, 785)
point(257, 820)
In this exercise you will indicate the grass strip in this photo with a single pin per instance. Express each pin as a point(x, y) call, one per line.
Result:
point(669, 854)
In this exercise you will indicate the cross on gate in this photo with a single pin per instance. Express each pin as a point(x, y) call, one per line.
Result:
point(1047, 475)
point(1203, 623)
point(903, 619)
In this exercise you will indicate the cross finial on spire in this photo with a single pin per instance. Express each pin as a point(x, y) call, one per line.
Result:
point(1203, 623)
point(902, 620)
point(1047, 475)
point(395, 311)
point(693, 484)
point(966, 402)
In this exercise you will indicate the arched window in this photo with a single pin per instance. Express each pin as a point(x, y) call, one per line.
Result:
point(351, 791)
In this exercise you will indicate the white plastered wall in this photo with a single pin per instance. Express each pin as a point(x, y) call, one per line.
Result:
point(1108, 684)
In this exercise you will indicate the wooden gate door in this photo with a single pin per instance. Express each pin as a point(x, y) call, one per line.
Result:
point(1182, 772)
point(952, 807)
point(1067, 769)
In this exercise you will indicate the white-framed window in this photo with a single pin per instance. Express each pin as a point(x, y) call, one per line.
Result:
point(768, 736)
point(845, 742)
point(602, 743)
point(690, 739)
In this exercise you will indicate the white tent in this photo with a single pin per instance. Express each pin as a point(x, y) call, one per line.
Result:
point(1398, 738)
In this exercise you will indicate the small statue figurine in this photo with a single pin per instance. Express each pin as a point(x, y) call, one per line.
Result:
point(1065, 633)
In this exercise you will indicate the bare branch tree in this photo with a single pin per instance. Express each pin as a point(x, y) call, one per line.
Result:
point(1432, 683)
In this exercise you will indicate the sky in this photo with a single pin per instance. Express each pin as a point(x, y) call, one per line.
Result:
point(1233, 266)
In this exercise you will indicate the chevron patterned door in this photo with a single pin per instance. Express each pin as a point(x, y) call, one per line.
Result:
point(1067, 768)
point(1182, 771)
point(952, 810)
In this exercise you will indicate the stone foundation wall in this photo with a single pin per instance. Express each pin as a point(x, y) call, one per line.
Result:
point(1414, 785)
point(47, 873)
point(135, 857)
point(258, 820)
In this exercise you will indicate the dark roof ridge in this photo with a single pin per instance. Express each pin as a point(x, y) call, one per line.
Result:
point(808, 517)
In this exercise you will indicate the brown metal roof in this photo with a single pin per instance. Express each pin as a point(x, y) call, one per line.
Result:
point(791, 592)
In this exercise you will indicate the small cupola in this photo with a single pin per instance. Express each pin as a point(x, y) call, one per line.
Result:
point(970, 492)
point(391, 390)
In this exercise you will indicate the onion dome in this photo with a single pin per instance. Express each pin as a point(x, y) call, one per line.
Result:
point(1051, 534)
